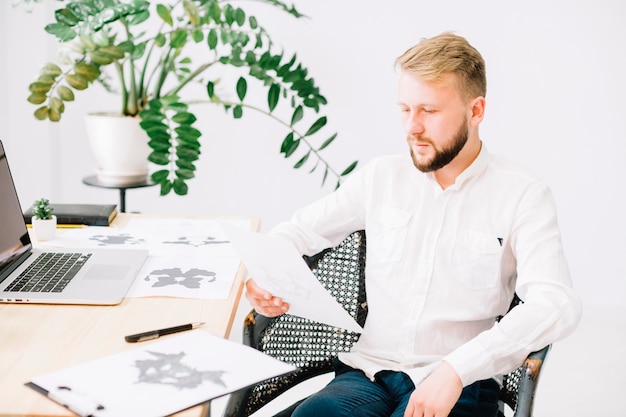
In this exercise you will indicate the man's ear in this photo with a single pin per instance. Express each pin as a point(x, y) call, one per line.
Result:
point(477, 111)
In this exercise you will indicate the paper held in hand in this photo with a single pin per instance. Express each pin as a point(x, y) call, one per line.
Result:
point(277, 267)
point(160, 377)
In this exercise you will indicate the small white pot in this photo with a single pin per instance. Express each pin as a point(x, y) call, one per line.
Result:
point(44, 229)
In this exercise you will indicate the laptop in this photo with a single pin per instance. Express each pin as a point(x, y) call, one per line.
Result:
point(29, 275)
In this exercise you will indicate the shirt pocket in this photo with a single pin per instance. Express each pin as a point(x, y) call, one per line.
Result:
point(388, 233)
point(477, 259)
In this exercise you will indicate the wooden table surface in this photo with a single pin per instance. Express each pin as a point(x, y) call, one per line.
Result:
point(36, 339)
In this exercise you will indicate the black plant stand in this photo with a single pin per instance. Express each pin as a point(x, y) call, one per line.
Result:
point(93, 181)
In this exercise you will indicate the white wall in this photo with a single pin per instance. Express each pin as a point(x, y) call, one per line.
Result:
point(555, 104)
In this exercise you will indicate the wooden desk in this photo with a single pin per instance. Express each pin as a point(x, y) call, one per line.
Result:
point(35, 339)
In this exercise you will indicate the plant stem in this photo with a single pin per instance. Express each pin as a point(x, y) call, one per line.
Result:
point(271, 116)
point(131, 98)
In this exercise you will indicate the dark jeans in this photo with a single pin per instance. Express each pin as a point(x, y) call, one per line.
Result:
point(351, 393)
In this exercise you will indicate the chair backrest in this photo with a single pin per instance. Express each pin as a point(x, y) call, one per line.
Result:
point(308, 345)
point(311, 346)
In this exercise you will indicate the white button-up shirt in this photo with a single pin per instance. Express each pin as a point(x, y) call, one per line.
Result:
point(443, 264)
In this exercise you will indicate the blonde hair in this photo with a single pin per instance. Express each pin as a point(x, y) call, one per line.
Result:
point(434, 58)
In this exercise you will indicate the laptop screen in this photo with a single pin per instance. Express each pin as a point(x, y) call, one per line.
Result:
point(14, 239)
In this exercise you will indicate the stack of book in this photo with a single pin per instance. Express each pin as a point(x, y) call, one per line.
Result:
point(85, 214)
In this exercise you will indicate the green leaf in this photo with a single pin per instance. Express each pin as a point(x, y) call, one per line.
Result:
point(63, 32)
point(242, 87)
point(215, 11)
point(298, 113)
point(160, 175)
point(76, 81)
point(178, 39)
point(289, 145)
point(272, 96)
point(286, 144)
point(160, 40)
point(210, 88)
point(39, 88)
point(327, 142)
point(89, 71)
point(113, 51)
point(325, 175)
point(240, 16)
point(180, 187)
point(212, 39)
point(184, 174)
point(197, 35)
point(165, 14)
point(193, 12)
point(41, 113)
point(183, 164)
point(160, 145)
point(159, 158)
point(319, 123)
point(66, 94)
point(349, 169)
point(185, 152)
point(54, 115)
point(66, 17)
point(188, 132)
point(152, 115)
point(56, 105)
point(184, 118)
point(237, 112)
point(138, 18)
point(51, 69)
point(37, 98)
point(100, 58)
point(253, 22)
point(166, 187)
point(302, 160)
point(46, 79)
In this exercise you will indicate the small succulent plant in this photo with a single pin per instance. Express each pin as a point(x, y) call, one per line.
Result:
point(42, 209)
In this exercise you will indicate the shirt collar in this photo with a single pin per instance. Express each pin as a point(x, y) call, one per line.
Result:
point(476, 167)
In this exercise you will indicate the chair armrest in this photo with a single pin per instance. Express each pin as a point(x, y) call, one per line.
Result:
point(531, 370)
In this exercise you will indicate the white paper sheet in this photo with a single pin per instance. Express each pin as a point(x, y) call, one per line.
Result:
point(189, 258)
point(161, 377)
point(277, 267)
point(204, 277)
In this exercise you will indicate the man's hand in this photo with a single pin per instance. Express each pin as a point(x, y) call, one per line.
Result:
point(436, 395)
point(264, 302)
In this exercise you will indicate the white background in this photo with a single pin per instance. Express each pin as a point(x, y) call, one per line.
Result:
point(555, 104)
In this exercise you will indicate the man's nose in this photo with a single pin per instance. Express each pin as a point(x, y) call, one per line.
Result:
point(414, 124)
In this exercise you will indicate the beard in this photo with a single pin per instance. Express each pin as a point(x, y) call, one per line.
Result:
point(443, 156)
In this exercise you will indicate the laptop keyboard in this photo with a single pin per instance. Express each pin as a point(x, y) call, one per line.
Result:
point(50, 272)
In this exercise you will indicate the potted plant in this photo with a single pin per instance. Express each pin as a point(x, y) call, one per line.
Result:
point(44, 223)
point(163, 52)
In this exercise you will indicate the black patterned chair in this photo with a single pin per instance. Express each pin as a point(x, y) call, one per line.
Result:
point(311, 346)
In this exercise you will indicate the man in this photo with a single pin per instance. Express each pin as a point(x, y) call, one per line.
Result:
point(448, 245)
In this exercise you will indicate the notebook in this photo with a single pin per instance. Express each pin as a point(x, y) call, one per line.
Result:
point(97, 276)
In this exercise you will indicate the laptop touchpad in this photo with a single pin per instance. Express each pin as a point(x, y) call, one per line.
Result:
point(110, 272)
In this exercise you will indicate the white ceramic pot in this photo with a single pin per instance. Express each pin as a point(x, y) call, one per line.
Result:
point(120, 147)
point(44, 229)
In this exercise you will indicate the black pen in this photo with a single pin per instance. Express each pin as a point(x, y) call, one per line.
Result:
point(142, 337)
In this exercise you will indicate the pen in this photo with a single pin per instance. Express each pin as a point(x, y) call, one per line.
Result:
point(153, 334)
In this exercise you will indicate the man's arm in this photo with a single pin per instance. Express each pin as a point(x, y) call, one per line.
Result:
point(551, 308)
